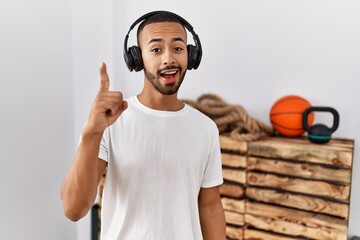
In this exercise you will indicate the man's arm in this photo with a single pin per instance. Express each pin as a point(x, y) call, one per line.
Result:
point(212, 217)
point(79, 188)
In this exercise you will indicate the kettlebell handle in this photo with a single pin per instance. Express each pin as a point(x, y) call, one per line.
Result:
point(320, 109)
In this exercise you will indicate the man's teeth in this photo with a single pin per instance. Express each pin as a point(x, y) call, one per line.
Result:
point(169, 73)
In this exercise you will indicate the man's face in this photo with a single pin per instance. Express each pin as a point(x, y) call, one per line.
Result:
point(165, 57)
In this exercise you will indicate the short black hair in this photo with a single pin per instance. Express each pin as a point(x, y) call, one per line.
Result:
point(157, 18)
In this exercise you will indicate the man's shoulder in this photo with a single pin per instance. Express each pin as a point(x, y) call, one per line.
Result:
point(201, 118)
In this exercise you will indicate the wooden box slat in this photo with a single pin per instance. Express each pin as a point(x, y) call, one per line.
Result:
point(252, 234)
point(233, 205)
point(334, 142)
point(294, 222)
point(232, 160)
point(333, 155)
point(234, 233)
point(228, 144)
point(234, 218)
point(297, 169)
point(317, 188)
point(308, 203)
point(238, 176)
point(231, 190)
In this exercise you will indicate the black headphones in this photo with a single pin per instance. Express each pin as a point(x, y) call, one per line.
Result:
point(132, 55)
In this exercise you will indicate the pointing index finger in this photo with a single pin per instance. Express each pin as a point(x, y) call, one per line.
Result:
point(105, 82)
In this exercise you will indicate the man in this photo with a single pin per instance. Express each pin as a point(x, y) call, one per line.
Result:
point(161, 157)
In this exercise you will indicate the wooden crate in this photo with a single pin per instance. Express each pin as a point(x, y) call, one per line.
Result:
point(286, 188)
point(234, 162)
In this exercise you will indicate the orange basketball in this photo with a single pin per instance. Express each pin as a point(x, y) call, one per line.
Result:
point(286, 115)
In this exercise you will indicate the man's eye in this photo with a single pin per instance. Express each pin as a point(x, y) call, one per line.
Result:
point(156, 50)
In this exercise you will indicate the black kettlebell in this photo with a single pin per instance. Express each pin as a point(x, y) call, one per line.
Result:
point(319, 133)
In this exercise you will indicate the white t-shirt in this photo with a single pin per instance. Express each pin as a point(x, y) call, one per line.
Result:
point(157, 163)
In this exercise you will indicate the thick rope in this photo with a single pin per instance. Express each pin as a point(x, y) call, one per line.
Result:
point(231, 120)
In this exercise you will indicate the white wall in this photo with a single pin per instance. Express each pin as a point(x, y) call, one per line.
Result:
point(36, 112)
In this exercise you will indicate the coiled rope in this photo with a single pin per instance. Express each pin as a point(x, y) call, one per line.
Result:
point(231, 120)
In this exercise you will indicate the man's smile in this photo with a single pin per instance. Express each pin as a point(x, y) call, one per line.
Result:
point(170, 75)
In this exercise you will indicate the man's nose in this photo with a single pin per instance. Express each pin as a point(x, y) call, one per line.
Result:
point(168, 57)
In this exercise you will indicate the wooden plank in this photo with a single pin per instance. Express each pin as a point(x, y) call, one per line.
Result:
point(234, 218)
point(317, 188)
point(231, 190)
point(234, 175)
point(307, 203)
point(303, 170)
point(334, 142)
point(252, 234)
point(233, 160)
point(342, 142)
point(295, 222)
point(306, 151)
point(233, 205)
point(234, 233)
point(228, 144)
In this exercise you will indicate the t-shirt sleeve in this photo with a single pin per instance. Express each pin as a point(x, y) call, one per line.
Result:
point(104, 146)
point(213, 171)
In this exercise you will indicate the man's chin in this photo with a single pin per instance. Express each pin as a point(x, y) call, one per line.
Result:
point(167, 92)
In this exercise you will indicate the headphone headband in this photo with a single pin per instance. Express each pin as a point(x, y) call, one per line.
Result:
point(132, 56)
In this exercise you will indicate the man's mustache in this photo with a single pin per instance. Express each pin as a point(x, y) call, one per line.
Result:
point(169, 68)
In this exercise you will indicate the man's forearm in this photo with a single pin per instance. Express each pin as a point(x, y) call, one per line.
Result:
point(80, 184)
point(213, 223)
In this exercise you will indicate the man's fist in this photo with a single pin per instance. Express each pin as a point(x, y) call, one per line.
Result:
point(107, 107)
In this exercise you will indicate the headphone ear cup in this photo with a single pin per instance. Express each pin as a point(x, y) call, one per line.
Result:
point(193, 60)
point(128, 60)
point(136, 59)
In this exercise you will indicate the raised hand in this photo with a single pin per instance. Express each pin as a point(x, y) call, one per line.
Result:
point(107, 107)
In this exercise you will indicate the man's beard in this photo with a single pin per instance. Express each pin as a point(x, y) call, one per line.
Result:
point(168, 89)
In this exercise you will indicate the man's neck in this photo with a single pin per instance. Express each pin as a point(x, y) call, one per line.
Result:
point(158, 101)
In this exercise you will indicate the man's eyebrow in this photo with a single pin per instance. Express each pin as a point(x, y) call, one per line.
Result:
point(176, 39)
point(155, 40)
